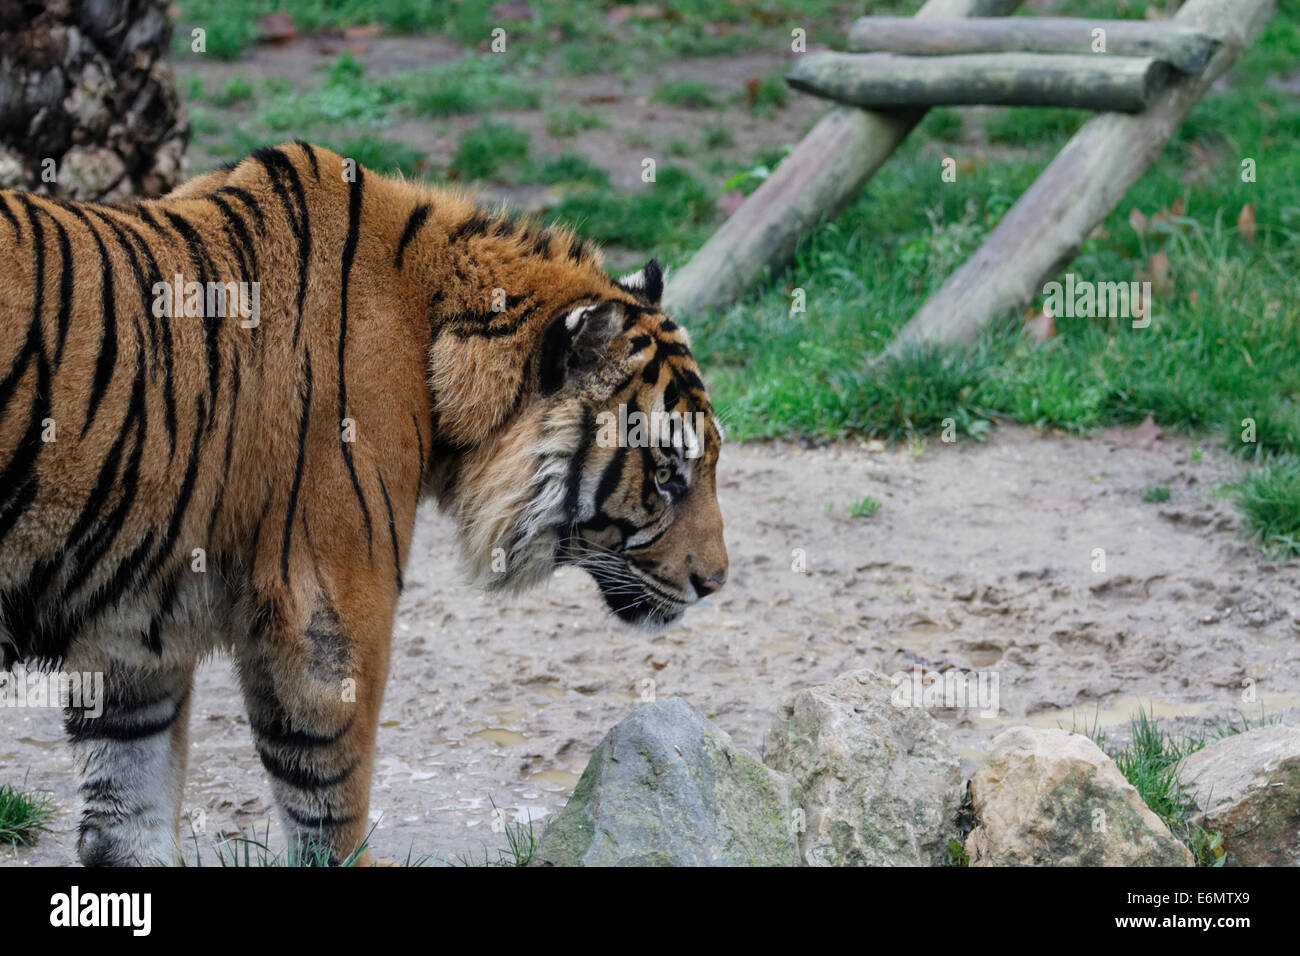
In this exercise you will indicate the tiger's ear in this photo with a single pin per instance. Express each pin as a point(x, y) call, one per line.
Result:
point(576, 344)
point(646, 284)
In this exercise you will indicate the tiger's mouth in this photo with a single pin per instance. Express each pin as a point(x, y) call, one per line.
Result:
point(633, 599)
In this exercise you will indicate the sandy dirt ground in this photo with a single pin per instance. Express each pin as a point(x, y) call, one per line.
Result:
point(982, 557)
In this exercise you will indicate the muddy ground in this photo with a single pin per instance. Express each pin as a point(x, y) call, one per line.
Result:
point(982, 557)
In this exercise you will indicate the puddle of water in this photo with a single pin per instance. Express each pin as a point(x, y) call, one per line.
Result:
point(500, 736)
point(560, 778)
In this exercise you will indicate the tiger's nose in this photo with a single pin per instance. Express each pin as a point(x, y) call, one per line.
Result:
point(706, 586)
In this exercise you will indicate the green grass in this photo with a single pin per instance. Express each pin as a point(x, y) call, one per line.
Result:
point(563, 122)
point(864, 507)
point(23, 815)
point(581, 36)
point(1269, 500)
point(1155, 494)
point(1149, 761)
point(690, 94)
point(489, 149)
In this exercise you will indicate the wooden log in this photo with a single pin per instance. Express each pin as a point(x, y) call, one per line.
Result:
point(823, 173)
point(886, 80)
point(1044, 230)
point(1177, 44)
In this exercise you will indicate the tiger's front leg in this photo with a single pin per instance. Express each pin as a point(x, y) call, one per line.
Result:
point(131, 760)
point(313, 694)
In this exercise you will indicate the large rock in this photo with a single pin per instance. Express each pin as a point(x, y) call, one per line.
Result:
point(668, 788)
point(1247, 787)
point(1052, 798)
point(880, 784)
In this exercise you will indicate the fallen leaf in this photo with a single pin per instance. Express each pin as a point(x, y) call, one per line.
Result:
point(1137, 220)
point(514, 10)
point(1041, 327)
point(1246, 222)
point(277, 28)
point(1142, 436)
point(1158, 270)
point(640, 11)
point(730, 202)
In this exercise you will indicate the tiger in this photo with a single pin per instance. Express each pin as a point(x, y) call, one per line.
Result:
point(188, 469)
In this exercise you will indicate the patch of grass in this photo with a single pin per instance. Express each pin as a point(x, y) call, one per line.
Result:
point(476, 84)
point(689, 94)
point(381, 155)
point(565, 121)
point(768, 95)
point(956, 853)
point(1269, 499)
point(489, 149)
point(675, 210)
point(571, 168)
point(1155, 494)
point(1149, 762)
point(864, 507)
point(1033, 125)
point(716, 137)
point(23, 815)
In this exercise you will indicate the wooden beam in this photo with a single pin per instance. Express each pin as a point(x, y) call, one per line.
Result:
point(1044, 230)
point(886, 80)
point(823, 173)
point(1182, 47)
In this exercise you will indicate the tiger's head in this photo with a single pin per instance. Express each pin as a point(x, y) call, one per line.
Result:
point(610, 467)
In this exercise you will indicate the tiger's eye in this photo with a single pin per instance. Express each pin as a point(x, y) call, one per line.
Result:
point(663, 475)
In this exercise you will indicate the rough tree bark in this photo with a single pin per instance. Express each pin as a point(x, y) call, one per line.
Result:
point(88, 105)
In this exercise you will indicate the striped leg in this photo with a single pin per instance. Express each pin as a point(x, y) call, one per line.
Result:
point(313, 703)
point(131, 762)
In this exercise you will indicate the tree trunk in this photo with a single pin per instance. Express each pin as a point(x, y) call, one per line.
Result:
point(88, 104)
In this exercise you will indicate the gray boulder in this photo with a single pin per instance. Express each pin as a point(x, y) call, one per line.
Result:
point(668, 788)
point(879, 784)
point(1247, 787)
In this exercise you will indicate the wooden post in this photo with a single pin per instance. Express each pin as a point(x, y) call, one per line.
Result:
point(885, 80)
point(1043, 231)
point(1181, 46)
point(825, 171)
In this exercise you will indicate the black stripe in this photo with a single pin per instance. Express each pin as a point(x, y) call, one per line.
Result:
point(356, 190)
point(301, 777)
point(277, 165)
point(248, 200)
point(211, 327)
point(413, 224)
point(311, 157)
point(392, 532)
point(303, 420)
point(277, 733)
point(106, 359)
point(577, 462)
